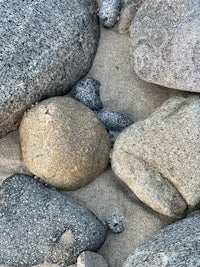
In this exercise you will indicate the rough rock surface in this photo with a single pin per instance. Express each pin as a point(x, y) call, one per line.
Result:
point(158, 158)
point(91, 259)
point(87, 92)
point(46, 46)
point(38, 224)
point(174, 246)
point(109, 12)
point(165, 45)
point(115, 223)
point(64, 143)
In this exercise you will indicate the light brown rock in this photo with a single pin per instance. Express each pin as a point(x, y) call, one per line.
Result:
point(91, 259)
point(159, 157)
point(64, 143)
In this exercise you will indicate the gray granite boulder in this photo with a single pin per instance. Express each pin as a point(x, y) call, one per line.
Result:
point(46, 46)
point(159, 158)
point(165, 43)
point(177, 245)
point(38, 225)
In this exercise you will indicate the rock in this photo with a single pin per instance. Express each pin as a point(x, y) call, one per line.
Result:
point(175, 246)
point(64, 143)
point(46, 47)
point(127, 14)
point(115, 223)
point(165, 43)
point(158, 158)
point(38, 224)
point(109, 12)
point(87, 92)
point(113, 136)
point(114, 121)
point(91, 259)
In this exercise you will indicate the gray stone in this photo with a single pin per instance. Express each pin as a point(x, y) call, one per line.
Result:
point(91, 259)
point(165, 46)
point(115, 223)
point(87, 92)
point(64, 143)
point(159, 159)
point(178, 245)
point(114, 121)
point(109, 12)
point(38, 225)
point(46, 46)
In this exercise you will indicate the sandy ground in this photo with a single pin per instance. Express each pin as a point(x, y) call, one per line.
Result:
point(121, 90)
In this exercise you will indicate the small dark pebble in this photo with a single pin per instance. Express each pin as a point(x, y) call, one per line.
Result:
point(109, 12)
point(115, 223)
point(87, 92)
point(114, 121)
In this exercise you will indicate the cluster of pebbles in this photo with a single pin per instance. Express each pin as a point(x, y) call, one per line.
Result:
point(68, 140)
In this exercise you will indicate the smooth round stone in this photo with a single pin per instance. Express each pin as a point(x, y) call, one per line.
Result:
point(46, 47)
point(64, 143)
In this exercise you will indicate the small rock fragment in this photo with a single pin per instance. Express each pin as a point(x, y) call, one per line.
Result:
point(109, 12)
point(87, 92)
point(40, 225)
point(115, 223)
point(91, 259)
point(115, 121)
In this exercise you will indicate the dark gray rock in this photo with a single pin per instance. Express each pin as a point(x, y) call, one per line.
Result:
point(46, 46)
point(87, 92)
point(165, 46)
point(114, 121)
point(178, 245)
point(38, 224)
point(109, 12)
point(115, 223)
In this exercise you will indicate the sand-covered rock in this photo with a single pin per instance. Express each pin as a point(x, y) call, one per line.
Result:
point(158, 158)
point(64, 143)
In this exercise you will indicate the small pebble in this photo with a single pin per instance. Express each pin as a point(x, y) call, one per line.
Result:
point(115, 223)
point(91, 259)
point(114, 121)
point(87, 92)
point(109, 12)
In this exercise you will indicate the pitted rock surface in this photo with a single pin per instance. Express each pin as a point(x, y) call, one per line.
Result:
point(46, 46)
point(158, 158)
point(64, 143)
point(174, 246)
point(165, 46)
point(39, 225)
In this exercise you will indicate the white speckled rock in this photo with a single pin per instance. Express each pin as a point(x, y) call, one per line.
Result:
point(91, 259)
point(46, 46)
point(159, 159)
point(64, 143)
point(165, 46)
point(174, 246)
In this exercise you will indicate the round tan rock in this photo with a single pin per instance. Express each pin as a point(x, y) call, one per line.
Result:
point(64, 143)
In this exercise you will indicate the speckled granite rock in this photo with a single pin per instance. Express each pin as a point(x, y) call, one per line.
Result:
point(159, 159)
point(109, 12)
point(46, 46)
point(174, 246)
point(91, 259)
point(165, 43)
point(38, 224)
point(64, 143)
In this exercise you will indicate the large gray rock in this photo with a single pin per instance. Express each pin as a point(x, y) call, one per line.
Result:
point(64, 143)
point(165, 46)
point(39, 225)
point(178, 245)
point(46, 46)
point(159, 159)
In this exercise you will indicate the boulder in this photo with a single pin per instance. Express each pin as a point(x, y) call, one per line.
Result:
point(165, 46)
point(174, 246)
point(158, 158)
point(40, 225)
point(64, 143)
point(46, 46)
